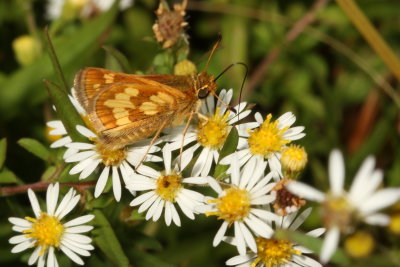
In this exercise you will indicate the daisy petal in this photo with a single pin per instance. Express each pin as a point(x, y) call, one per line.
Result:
point(336, 172)
point(330, 244)
point(220, 234)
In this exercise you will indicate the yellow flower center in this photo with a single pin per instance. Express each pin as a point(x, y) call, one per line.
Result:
point(233, 206)
point(168, 186)
point(394, 225)
point(359, 245)
point(294, 158)
point(267, 138)
point(50, 137)
point(273, 252)
point(110, 157)
point(46, 230)
point(214, 131)
point(337, 211)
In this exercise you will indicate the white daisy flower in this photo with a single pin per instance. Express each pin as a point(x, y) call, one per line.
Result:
point(279, 252)
point(267, 141)
point(211, 132)
point(46, 233)
point(94, 154)
point(340, 208)
point(238, 204)
point(165, 189)
point(57, 131)
point(55, 8)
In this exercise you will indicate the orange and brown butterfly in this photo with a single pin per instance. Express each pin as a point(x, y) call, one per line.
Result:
point(124, 108)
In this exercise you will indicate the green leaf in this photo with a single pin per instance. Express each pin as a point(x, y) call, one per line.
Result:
point(144, 259)
point(3, 150)
point(228, 148)
point(314, 244)
point(116, 61)
point(8, 177)
point(22, 86)
point(105, 239)
point(66, 111)
point(35, 147)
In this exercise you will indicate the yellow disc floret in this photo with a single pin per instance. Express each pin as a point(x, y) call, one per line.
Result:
point(337, 211)
point(272, 252)
point(50, 137)
point(233, 206)
point(214, 131)
point(46, 230)
point(110, 157)
point(168, 186)
point(267, 139)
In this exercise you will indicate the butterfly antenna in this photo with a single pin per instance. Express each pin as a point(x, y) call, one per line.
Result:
point(241, 87)
point(213, 50)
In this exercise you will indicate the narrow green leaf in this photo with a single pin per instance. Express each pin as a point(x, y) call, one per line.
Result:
point(35, 147)
point(3, 150)
point(314, 244)
point(145, 259)
point(121, 62)
point(228, 148)
point(66, 111)
point(105, 239)
point(22, 86)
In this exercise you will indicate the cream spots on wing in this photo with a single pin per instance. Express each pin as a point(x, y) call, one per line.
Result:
point(96, 85)
point(123, 121)
point(149, 108)
point(118, 103)
point(162, 98)
point(120, 113)
point(131, 91)
point(109, 77)
point(122, 96)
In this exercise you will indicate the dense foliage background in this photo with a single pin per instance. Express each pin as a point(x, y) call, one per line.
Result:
point(321, 69)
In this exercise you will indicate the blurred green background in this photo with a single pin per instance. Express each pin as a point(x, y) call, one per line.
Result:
point(328, 76)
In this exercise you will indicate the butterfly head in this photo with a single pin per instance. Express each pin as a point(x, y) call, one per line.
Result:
point(205, 85)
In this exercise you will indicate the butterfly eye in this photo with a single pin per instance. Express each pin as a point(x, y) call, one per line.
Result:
point(203, 93)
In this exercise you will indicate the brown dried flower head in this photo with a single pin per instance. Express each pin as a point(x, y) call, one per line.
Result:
point(285, 202)
point(169, 27)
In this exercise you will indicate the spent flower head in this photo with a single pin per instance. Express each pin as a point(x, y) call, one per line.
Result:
point(170, 24)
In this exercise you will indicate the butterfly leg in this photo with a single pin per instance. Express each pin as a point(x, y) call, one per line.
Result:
point(183, 138)
point(153, 140)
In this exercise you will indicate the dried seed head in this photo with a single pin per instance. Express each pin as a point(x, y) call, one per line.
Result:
point(169, 27)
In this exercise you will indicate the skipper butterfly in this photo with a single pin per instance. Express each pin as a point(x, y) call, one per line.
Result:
point(124, 108)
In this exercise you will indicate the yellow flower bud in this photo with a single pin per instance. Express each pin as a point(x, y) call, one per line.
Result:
point(394, 225)
point(26, 49)
point(359, 245)
point(185, 67)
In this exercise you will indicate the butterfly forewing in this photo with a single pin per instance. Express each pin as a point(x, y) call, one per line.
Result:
point(125, 108)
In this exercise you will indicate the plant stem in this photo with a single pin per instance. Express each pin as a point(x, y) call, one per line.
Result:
point(39, 186)
point(371, 35)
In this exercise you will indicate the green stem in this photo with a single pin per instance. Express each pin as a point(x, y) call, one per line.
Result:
point(371, 35)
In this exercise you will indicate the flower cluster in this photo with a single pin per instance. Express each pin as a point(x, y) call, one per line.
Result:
point(255, 195)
